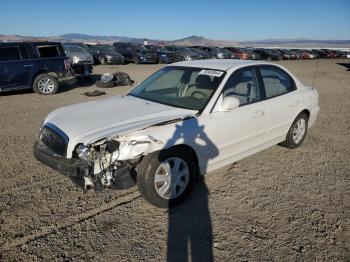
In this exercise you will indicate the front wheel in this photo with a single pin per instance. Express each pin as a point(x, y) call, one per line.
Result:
point(297, 132)
point(165, 178)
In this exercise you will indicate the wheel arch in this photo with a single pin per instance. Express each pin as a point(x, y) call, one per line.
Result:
point(193, 154)
point(306, 111)
point(40, 72)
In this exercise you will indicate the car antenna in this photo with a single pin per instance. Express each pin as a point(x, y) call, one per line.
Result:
point(313, 82)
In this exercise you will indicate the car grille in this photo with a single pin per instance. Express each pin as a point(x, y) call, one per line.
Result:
point(86, 62)
point(55, 139)
point(115, 60)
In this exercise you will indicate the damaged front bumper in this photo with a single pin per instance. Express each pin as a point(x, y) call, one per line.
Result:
point(81, 172)
point(72, 167)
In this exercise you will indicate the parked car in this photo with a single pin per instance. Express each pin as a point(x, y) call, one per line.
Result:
point(183, 53)
point(228, 54)
point(267, 54)
point(135, 53)
point(321, 54)
point(304, 54)
point(105, 54)
point(202, 54)
point(185, 120)
point(164, 56)
point(282, 53)
point(242, 54)
point(252, 54)
point(213, 52)
point(80, 59)
point(33, 65)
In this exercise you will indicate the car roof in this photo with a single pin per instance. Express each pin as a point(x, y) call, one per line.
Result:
point(224, 64)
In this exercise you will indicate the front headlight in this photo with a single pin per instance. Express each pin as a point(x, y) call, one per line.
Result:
point(76, 59)
point(83, 152)
point(188, 58)
point(220, 55)
point(108, 57)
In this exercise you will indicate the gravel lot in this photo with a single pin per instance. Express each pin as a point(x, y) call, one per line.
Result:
point(280, 204)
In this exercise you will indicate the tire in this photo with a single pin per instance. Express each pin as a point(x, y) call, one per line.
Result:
point(101, 84)
point(293, 140)
point(45, 84)
point(102, 60)
point(153, 164)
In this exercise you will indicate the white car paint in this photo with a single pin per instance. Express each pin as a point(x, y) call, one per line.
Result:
point(217, 137)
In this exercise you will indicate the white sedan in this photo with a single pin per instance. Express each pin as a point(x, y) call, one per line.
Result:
point(185, 120)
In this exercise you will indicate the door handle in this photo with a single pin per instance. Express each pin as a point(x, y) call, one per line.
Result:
point(258, 114)
point(29, 65)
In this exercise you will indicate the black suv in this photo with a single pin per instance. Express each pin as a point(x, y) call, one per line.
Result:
point(183, 53)
point(37, 65)
point(163, 55)
point(135, 53)
point(201, 53)
point(213, 51)
point(105, 54)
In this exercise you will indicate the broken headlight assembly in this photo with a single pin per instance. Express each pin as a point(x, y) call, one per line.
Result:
point(83, 152)
point(89, 152)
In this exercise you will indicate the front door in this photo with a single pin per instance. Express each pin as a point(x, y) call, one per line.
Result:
point(240, 131)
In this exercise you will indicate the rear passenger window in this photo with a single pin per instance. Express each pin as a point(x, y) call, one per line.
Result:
point(9, 53)
point(48, 51)
point(243, 85)
point(276, 82)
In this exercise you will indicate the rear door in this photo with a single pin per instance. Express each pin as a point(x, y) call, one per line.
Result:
point(15, 68)
point(283, 100)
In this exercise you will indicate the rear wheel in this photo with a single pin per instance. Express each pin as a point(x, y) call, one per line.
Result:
point(45, 84)
point(297, 132)
point(166, 177)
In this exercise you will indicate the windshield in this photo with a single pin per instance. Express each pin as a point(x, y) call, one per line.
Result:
point(74, 48)
point(184, 87)
point(226, 52)
point(162, 49)
point(107, 49)
point(184, 49)
point(139, 48)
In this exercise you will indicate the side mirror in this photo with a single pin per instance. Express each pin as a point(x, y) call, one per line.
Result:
point(229, 103)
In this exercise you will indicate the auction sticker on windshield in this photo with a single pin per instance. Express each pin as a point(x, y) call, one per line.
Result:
point(211, 72)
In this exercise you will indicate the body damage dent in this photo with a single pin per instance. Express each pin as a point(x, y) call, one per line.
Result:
point(135, 145)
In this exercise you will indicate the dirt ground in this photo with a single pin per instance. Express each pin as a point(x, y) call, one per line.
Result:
point(280, 204)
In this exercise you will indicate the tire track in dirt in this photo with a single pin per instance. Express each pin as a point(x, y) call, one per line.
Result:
point(71, 221)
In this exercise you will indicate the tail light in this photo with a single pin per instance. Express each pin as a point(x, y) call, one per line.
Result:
point(67, 64)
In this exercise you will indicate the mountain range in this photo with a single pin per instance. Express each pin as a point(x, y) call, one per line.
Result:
point(188, 41)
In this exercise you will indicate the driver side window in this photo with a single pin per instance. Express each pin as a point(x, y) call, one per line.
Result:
point(243, 85)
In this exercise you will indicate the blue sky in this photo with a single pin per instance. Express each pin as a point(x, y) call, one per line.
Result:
point(169, 20)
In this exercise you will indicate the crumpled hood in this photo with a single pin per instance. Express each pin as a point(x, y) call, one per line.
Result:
point(91, 121)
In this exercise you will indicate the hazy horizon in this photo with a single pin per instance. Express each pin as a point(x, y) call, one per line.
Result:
point(227, 20)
